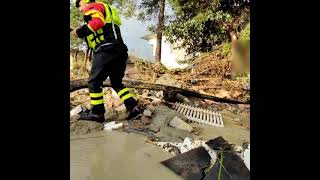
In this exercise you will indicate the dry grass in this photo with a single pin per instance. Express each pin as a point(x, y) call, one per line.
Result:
point(80, 70)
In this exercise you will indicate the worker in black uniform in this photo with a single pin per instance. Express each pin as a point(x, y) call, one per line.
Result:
point(101, 32)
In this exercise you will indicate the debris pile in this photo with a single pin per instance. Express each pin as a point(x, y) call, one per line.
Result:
point(165, 120)
point(209, 74)
point(214, 159)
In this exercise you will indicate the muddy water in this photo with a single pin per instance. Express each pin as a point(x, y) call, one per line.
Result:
point(117, 155)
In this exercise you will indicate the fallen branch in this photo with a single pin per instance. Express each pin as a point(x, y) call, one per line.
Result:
point(197, 88)
point(83, 83)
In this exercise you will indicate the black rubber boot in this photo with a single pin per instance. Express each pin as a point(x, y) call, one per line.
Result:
point(135, 113)
point(89, 116)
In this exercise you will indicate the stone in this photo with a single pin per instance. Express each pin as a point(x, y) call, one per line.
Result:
point(168, 81)
point(147, 113)
point(180, 124)
point(76, 110)
point(153, 128)
point(145, 120)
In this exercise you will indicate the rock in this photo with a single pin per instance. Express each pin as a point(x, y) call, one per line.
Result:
point(153, 128)
point(147, 113)
point(168, 81)
point(186, 145)
point(151, 108)
point(121, 108)
point(76, 110)
point(74, 118)
point(145, 92)
point(110, 115)
point(223, 94)
point(236, 94)
point(154, 103)
point(136, 124)
point(82, 127)
point(180, 124)
point(171, 134)
point(145, 120)
point(161, 118)
point(159, 94)
point(247, 87)
point(112, 125)
point(238, 149)
point(163, 115)
point(210, 102)
point(246, 157)
point(121, 116)
point(197, 103)
point(242, 106)
point(196, 133)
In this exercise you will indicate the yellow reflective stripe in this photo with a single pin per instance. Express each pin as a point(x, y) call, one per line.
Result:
point(100, 31)
point(93, 12)
point(98, 41)
point(98, 16)
point(90, 27)
point(115, 16)
point(89, 38)
point(127, 96)
point(97, 102)
point(100, 34)
point(123, 91)
point(95, 95)
point(108, 15)
point(92, 44)
point(101, 37)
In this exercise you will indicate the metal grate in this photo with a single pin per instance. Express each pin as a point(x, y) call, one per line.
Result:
point(199, 115)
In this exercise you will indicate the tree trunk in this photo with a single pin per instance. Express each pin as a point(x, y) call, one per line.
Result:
point(159, 30)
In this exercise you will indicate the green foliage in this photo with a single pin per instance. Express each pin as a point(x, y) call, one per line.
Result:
point(75, 21)
point(201, 25)
point(245, 33)
point(126, 8)
point(226, 49)
point(149, 9)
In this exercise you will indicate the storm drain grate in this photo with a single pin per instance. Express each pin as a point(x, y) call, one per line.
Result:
point(199, 115)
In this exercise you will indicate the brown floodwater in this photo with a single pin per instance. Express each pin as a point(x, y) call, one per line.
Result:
point(117, 155)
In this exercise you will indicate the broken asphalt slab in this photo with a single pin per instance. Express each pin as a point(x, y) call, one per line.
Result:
point(234, 168)
point(193, 164)
point(190, 165)
point(161, 118)
point(180, 124)
point(219, 143)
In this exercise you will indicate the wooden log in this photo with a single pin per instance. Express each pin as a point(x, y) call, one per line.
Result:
point(83, 83)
